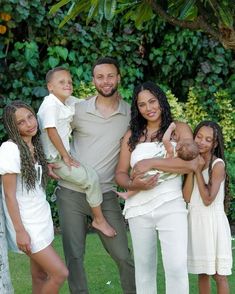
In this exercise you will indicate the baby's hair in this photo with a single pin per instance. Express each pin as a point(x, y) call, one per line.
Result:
point(28, 171)
point(52, 71)
point(218, 151)
point(188, 150)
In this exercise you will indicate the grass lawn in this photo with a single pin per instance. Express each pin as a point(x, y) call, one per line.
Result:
point(102, 273)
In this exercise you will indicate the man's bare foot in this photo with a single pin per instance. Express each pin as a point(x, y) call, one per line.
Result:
point(104, 227)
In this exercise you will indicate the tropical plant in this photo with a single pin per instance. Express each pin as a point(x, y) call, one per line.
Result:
point(215, 18)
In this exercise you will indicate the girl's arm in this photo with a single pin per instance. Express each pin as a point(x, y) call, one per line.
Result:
point(209, 192)
point(122, 170)
point(188, 187)
point(22, 237)
point(189, 181)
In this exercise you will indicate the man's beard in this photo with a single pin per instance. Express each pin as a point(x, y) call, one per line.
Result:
point(114, 90)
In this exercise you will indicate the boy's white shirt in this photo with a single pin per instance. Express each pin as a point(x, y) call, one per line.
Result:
point(54, 114)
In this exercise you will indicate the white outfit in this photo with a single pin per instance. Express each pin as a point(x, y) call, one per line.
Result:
point(161, 210)
point(34, 209)
point(209, 248)
point(55, 114)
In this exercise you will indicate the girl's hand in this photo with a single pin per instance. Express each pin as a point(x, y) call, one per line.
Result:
point(69, 161)
point(23, 241)
point(201, 163)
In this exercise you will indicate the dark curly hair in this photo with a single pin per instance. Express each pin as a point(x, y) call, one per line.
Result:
point(138, 124)
point(28, 172)
point(218, 151)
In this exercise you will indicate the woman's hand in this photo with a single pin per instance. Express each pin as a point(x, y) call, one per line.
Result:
point(144, 183)
point(141, 167)
point(23, 241)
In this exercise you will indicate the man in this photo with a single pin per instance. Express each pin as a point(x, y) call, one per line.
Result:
point(99, 124)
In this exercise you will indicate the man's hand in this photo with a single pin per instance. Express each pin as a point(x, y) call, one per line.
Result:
point(51, 167)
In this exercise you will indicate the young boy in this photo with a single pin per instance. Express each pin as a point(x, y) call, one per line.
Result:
point(185, 149)
point(55, 116)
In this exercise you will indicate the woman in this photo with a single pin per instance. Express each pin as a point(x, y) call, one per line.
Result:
point(155, 209)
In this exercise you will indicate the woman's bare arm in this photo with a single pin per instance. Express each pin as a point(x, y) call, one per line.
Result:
point(122, 170)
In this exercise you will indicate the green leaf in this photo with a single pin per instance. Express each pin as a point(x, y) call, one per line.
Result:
point(53, 62)
point(226, 15)
point(143, 13)
point(109, 8)
point(76, 9)
point(62, 52)
point(186, 8)
point(93, 10)
point(57, 6)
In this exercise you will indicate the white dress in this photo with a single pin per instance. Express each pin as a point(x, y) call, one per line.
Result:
point(34, 209)
point(209, 247)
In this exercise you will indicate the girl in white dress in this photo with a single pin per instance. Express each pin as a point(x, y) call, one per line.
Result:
point(206, 190)
point(28, 216)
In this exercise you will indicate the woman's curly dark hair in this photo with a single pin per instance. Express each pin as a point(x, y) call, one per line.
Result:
point(138, 124)
point(218, 151)
point(28, 172)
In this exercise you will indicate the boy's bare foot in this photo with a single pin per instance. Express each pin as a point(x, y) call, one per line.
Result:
point(104, 227)
point(123, 195)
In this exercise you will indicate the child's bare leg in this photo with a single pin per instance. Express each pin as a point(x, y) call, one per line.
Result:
point(221, 284)
point(47, 263)
point(99, 222)
point(127, 194)
point(204, 284)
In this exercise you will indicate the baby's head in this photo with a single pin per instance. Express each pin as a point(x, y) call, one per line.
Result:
point(187, 149)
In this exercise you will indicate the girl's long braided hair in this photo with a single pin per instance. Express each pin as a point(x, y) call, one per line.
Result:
point(218, 151)
point(138, 124)
point(28, 172)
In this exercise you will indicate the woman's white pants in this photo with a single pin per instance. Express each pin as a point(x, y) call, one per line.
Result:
point(169, 223)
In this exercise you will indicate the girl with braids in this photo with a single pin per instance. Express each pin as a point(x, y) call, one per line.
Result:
point(28, 216)
point(206, 190)
point(155, 209)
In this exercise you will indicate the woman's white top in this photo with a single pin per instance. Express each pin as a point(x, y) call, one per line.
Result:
point(146, 201)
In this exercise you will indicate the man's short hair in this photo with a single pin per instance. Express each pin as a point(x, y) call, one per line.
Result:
point(106, 60)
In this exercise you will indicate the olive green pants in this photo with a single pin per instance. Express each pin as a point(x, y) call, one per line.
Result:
point(73, 211)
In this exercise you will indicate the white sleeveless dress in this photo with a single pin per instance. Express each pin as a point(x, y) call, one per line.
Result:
point(209, 247)
point(34, 209)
